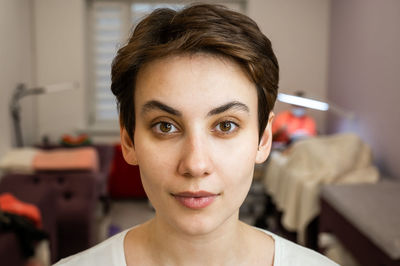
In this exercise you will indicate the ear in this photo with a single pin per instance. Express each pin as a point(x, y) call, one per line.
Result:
point(128, 149)
point(264, 147)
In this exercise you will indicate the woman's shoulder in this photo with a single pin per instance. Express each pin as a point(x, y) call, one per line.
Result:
point(108, 252)
point(289, 253)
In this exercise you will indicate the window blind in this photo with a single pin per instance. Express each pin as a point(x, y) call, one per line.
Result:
point(107, 31)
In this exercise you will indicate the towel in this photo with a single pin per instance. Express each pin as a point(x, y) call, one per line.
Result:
point(85, 158)
point(18, 160)
point(29, 160)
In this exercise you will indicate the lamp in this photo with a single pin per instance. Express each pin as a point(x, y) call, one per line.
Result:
point(314, 104)
point(22, 91)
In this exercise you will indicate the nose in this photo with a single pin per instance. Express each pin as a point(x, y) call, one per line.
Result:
point(195, 159)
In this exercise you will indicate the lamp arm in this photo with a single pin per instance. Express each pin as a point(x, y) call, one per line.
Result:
point(341, 111)
point(20, 92)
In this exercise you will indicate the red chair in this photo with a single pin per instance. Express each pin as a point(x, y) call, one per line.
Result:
point(124, 180)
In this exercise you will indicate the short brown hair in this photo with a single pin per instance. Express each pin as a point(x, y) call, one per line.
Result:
point(198, 28)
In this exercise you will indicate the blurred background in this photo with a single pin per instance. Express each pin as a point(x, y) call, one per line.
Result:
point(343, 52)
point(339, 51)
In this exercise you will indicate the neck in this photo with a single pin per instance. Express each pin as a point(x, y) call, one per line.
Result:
point(219, 247)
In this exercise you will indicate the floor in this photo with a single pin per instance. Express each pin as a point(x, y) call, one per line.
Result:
point(123, 215)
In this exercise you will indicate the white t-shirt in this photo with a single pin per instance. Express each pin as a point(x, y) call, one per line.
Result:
point(111, 252)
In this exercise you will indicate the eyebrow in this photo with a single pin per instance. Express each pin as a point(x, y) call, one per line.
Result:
point(156, 105)
point(228, 106)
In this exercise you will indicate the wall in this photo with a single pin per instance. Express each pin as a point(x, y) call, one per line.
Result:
point(365, 75)
point(299, 32)
point(15, 67)
point(60, 43)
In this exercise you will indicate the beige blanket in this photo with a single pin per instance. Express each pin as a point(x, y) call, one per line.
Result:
point(294, 179)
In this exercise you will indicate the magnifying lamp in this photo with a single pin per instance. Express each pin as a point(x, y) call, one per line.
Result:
point(22, 91)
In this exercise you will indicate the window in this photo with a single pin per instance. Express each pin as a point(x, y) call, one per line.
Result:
point(110, 23)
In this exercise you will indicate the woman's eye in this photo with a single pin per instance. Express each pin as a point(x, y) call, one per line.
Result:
point(164, 128)
point(226, 127)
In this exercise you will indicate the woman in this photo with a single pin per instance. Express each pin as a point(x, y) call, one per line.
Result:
point(195, 90)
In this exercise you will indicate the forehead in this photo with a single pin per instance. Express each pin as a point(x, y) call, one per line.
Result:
point(193, 80)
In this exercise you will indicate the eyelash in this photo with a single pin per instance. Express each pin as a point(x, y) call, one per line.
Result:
point(156, 128)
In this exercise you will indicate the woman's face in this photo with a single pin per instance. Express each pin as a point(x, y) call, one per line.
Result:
point(195, 140)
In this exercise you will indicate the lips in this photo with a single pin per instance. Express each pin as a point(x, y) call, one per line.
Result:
point(195, 200)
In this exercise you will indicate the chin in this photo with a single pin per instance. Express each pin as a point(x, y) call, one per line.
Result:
point(201, 223)
point(197, 227)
